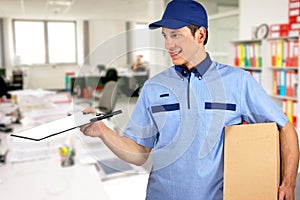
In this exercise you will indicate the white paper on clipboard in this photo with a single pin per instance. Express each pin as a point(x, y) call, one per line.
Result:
point(55, 127)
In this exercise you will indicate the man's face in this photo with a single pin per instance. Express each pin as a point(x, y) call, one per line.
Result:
point(181, 45)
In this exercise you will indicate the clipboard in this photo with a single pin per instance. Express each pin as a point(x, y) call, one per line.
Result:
point(62, 125)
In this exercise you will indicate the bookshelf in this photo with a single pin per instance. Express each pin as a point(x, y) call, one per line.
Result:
point(247, 55)
point(277, 70)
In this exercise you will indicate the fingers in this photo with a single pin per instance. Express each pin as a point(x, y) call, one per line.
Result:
point(281, 196)
point(89, 110)
point(84, 128)
point(93, 129)
point(286, 193)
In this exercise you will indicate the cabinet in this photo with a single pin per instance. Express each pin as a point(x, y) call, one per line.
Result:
point(276, 69)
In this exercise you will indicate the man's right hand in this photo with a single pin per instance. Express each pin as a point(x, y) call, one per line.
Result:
point(95, 129)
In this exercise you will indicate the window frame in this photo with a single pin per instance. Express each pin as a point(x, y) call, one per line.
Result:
point(46, 40)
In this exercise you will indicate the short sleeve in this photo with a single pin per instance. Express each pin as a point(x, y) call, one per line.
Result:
point(141, 127)
point(257, 106)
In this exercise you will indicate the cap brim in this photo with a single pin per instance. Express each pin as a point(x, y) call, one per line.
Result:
point(168, 23)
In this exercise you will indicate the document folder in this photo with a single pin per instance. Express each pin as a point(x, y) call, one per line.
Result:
point(62, 125)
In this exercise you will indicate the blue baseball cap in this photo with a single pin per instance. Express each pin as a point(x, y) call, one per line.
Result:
point(180, 13)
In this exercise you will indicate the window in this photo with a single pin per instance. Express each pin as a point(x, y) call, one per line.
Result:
point(44, 42)
point(62, 46)
point(29, 42)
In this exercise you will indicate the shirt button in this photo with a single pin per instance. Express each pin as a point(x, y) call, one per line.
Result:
point(200, 77)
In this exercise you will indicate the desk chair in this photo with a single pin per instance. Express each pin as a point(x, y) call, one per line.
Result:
point(108, 97)
point(111, 75)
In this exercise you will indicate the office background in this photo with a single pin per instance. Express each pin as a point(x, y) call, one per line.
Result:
point(99, 22)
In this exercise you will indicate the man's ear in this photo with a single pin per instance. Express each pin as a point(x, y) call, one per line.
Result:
point(200, 34)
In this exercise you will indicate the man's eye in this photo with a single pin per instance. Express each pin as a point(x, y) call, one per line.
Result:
point(175, 35)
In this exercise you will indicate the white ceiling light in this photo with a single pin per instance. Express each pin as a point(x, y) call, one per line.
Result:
point(60, 2)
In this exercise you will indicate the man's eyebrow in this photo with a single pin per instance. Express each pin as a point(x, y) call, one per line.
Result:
point(174, 31)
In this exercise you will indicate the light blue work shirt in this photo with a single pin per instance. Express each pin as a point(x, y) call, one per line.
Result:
point(181, 114)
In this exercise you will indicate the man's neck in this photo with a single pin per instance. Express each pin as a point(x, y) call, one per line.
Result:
point(196, 60)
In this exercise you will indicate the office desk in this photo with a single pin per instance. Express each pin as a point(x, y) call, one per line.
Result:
point(128, 83)
point(25, 178)
point(133, 81)
point(48, 180)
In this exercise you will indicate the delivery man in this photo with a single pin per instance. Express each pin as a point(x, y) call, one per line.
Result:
point(181, 113)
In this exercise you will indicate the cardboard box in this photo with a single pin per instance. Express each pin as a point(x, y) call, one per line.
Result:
point(295, 26)
point(251, 162)
point(294, 5)
point(280, 27)
point(277, 34)
point(279, 30)
point(294, 19)
point(293, 33)
point(294, 12)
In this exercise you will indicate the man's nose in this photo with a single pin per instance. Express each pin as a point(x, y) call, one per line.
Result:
point(169, 44)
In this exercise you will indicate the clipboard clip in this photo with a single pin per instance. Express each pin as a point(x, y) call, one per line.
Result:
point(101, 116)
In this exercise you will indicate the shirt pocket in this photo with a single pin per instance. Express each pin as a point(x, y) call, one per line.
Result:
point(167, 118)
point(225, 112)
point(220, 106)
point(165, 108)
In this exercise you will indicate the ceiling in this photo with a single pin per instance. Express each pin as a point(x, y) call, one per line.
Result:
point(82, 9)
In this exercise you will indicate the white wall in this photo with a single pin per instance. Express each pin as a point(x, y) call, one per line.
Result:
point(80, 42)
point(8, 42)
point(46, 77)
point(255, 12)
point(107, 39)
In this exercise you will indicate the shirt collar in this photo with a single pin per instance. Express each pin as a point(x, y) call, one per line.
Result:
point(199, 70)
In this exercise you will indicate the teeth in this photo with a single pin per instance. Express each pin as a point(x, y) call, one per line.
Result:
point(176, 52)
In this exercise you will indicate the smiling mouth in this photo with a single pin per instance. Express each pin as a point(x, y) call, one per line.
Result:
point(175, 53)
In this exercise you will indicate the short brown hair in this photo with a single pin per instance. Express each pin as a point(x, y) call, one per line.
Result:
point(194, 28)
